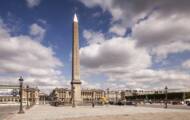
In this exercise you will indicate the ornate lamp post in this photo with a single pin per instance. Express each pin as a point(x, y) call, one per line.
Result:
point(166, 97)
point(21, 111)
point(116, 97)
point(27, 90)
point(108, 96)
point(73, 103)
point(93, 98)
point(30, 98)
point(33, 97)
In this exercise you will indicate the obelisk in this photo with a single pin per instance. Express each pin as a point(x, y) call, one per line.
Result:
point(75, 83)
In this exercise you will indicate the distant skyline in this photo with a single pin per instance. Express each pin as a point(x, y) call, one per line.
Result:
point(124, 44)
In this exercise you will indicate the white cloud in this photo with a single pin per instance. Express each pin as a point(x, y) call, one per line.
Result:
point(96, 14)
point(129, 12)
point(88, 85)
point(127, 65)
point(107, 55)
point(163, 36)
point(117, 29)
point(33, 3)
point(163, 25)
point(42, 21)
point(113, 57)
point(105, 5)
point(151, 79)
point(21, 55)
point(94, 3)
point(37, 32)
point(186, 64)
point(92, 37)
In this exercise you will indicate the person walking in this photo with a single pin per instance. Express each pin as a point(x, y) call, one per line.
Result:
point(93, 104)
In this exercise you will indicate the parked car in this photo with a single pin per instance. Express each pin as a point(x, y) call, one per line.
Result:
point(188, 104)
point(176, 102)
point(122, 102)
point(187, 101)
point(130, 103)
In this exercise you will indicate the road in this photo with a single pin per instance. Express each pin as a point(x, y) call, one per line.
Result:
point(7, 110)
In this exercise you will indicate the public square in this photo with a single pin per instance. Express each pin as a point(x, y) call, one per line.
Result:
point(94, 60)
point(109, 112)
point(6, 111)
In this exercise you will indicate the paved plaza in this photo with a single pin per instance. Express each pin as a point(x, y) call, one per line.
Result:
point(47, 112)
point(7, 111)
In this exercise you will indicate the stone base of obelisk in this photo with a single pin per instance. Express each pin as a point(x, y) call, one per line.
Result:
point(77, 92)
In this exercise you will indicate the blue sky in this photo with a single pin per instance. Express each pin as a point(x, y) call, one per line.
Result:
point(116, 50)
point(58, 23)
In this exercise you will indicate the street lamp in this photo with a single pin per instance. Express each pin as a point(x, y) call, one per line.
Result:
point(108, 96)
point(73, 104)
point(93, 98)
point(27, 90)
point(21, 111)
point(33, 97)
point(166, 97)
point(116, 99)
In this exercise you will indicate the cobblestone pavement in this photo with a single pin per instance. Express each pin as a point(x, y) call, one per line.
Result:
point(46, 112)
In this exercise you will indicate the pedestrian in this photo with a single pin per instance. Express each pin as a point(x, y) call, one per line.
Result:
point(93, 104)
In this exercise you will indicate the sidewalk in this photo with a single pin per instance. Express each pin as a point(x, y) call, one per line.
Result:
point(46, 112)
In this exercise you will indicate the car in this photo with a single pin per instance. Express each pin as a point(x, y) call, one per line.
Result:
point(187, 101)
point(129, 103)
point(121, 103)
point(188, 104)
point(175, 102)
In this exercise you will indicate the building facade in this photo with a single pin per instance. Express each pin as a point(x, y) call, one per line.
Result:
point(64, 95)
point(11, 96)
point(113, 96)
point(156, 95)
point(130, 93)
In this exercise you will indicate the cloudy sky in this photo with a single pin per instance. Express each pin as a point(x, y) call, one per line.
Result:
point(124, 44)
